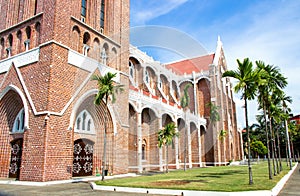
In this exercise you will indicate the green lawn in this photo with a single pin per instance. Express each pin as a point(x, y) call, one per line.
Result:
point(225, 178)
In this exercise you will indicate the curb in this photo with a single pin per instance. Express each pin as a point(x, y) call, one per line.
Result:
point(284, 179)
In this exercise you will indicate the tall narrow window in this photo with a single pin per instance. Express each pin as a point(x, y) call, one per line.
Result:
point(83, 10)
point(102, 14)
point(35, 7)
point(83, 120)
point(143, 152)
point(19, 122)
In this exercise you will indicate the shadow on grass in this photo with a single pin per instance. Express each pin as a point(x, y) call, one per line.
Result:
point(221, 174)
point(176, 182)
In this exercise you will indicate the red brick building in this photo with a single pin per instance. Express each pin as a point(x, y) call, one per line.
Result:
point(49, 127)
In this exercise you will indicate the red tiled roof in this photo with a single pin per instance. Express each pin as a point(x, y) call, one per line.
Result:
point(189, 65)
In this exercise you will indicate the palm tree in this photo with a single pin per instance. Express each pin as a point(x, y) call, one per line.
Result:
point(184, 103)
point(271, 83)
point(165, 137)
point(106, 88)
point(246, 77)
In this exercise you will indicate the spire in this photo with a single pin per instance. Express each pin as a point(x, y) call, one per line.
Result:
point(219, 43)
point(218, 51)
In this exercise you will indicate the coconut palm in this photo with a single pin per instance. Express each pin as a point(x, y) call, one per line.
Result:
point(106, 88)
point(165, 137)
point(246, 77)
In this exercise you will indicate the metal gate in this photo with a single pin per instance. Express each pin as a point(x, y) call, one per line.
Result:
point(83, 158)
point(15, 158)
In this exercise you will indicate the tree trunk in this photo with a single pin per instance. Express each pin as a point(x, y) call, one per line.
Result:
point(279, 153)
point(104, 139)
point(248, 139)
point(167, 158)
point(272, 145)
point(268, 144)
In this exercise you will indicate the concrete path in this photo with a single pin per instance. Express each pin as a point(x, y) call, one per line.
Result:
point(69, 189)
point(292, 186)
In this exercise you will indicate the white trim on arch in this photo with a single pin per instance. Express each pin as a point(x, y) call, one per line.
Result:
point(80, 101)
point(23, 98)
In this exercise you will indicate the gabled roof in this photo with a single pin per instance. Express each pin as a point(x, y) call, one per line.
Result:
point(189, 65)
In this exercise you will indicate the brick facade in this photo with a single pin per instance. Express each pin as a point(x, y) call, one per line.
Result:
point(48, 53)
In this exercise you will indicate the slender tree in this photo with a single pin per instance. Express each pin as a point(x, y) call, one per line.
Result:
point(165, 137)
point(184, 103)
point(246, 77)
point(106, 88)
point(271, 81)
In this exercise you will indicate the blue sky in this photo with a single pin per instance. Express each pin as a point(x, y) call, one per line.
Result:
point(267, 30)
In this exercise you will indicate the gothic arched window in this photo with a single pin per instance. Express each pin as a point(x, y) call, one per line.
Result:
point(19, 122)
point(84, 123)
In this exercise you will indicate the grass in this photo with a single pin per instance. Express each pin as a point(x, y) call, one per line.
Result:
point(224, 178)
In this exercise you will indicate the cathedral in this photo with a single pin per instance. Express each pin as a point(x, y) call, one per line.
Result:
point(50, 128)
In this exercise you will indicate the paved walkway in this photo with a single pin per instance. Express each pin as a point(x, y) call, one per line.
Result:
point(69, 189)
point(292, 186)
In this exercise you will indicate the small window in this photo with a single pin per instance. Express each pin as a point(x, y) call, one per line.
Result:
point(159, 83)
point(131, 69)
point(147, 78)
point(143, 152)
point(83, 10)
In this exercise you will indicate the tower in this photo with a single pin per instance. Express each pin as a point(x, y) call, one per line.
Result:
point(49, 127)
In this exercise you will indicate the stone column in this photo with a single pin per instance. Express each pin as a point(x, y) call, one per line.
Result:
point(139, 138)
point(199, 147)
point(176, 150)
point(161, 167)
point(189, 144)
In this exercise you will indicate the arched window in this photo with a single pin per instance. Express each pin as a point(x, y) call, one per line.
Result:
point(27, 41)
point(147, 77)
point(10, 42)
point(131, 70)
point(86, 41)
point(19, 36)
point(19, 122)
point(160, 83)
point(144, 150)
point(83, 10)
point(84, 123)
point(103, 56)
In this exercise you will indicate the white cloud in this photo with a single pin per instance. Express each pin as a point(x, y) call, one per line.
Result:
point(273, 37)
point(145, 10)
